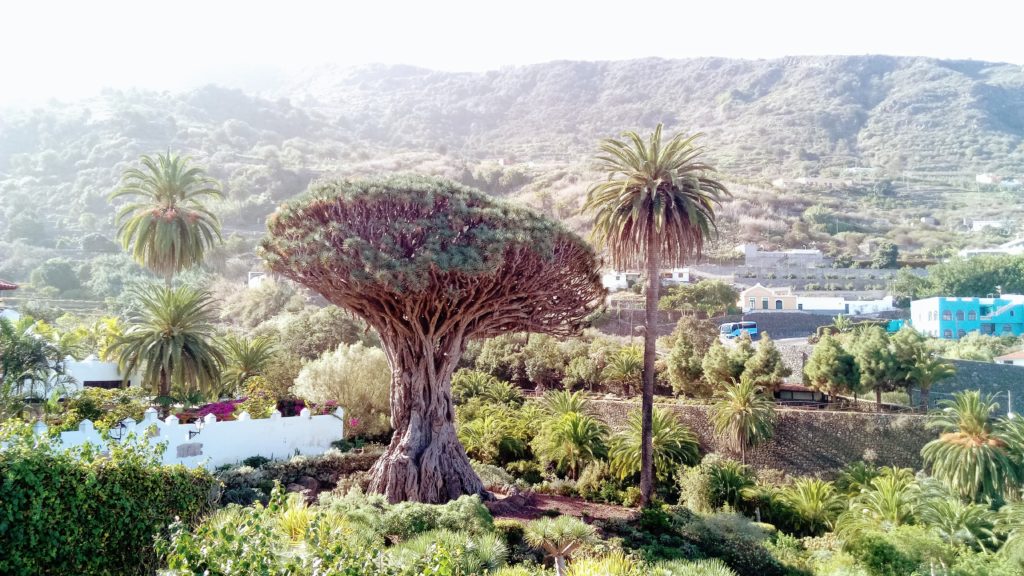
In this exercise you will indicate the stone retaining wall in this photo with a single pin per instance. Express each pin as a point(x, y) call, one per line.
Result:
point(807, 442)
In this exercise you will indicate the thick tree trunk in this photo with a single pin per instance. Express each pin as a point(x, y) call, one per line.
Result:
point(878, 399)
point(924, 398)
point(647, 394)
point(425, 461)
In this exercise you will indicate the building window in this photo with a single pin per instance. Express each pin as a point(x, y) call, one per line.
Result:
point(947, 334)
point(960, 315)
point(972, 315)
point(947, 315)
point(961, 333)
point(764, 303)
point(1007, 328)
point(752, 305)
point(778, 304)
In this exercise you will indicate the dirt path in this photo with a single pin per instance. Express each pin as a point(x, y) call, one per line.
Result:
point(520, 508)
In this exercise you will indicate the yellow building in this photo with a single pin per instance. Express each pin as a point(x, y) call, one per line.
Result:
point(759, 297)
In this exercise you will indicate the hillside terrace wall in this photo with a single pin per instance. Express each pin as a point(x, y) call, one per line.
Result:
point(806, 442)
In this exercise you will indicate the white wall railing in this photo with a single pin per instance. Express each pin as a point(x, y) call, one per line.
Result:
point(210, 443)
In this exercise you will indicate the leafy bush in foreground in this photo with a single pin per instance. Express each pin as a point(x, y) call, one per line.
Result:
point(75, 512)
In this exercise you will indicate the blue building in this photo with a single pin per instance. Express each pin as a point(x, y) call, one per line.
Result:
point(954, 318)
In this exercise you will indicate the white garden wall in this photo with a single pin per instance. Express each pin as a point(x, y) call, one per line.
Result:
point(214, 443)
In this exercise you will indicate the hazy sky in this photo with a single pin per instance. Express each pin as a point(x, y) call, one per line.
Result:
point(74, 48)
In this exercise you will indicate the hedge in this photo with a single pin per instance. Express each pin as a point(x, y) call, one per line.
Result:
point(81, 512)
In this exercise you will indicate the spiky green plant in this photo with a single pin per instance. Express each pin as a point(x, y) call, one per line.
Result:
point(928, 370)
point(625, 368)
point(673, 443)
point(957, 522)
point(856, 477)
point(245, 357)
point(612, 564)
point(815, 505)
point(743, 416)
point(559, 402)
point(475, 553)
point(571, 441)
point(558, 538)
point(165, 225)
point(655, 209)
point(171, 340)
point(889, 502)
point(729, 480)
point(971, 454)
point(702, 567)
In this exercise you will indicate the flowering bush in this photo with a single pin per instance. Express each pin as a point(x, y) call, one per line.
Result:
point(224, 410)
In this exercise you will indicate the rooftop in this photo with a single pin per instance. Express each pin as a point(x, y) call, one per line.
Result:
point(1018, 355)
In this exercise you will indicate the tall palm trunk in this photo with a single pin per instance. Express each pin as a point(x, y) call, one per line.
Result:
point(924, 397)
point(647, 394)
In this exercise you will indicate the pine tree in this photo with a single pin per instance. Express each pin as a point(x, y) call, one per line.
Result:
point(766, 368)
point(832, 369)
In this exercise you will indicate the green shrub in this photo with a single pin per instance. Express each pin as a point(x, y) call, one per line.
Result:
point(75, 512)
point(260, 401)
point(103, 407)
point(245, 484)
point(528, 471)
point(358, 378)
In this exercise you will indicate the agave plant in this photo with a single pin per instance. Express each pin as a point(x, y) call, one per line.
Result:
point(971, 455)
point(559, 538)
point(702, 567)
point(815, 505)
point(613, 564)
point(475, 553)
point(673, 443)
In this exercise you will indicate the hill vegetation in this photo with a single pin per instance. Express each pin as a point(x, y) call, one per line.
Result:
point(886, 142)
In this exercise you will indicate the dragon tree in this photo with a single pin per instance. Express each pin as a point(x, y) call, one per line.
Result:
point(430, 265)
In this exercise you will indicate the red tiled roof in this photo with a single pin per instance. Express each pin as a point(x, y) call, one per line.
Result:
point(8, 285)
point(1019, 355)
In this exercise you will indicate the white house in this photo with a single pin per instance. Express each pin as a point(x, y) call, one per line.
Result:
point(615, 281)
point(256, 278)
point(979, 225)
point(1013, 358)
point(95, 373)
point(1011, 248)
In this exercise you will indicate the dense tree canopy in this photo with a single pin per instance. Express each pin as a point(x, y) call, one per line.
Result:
point(430, 264)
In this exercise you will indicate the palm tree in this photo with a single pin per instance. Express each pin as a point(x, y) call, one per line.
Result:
point(928, 370)
point(625, 368)
point(890, 502)
point(244, 358)
point(744, 416)
point(655, 209)
point(672, 442)
point(571, 441)
point(171, 340)
point(971, 456)
point(165, 224)
point(27, 358)
point(815, 505)
point(559, 402)
point(559, 538)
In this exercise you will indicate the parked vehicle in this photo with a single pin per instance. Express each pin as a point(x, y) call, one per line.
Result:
point(733, 330)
